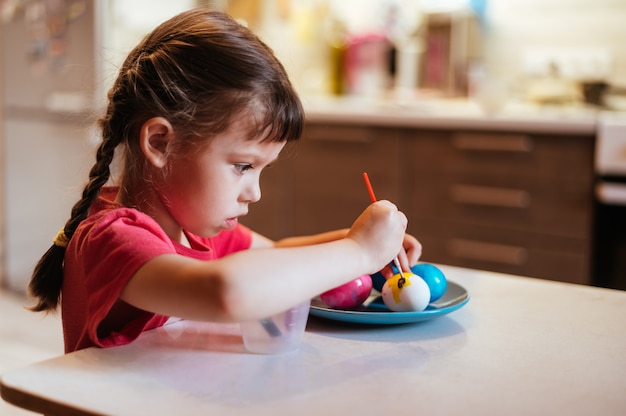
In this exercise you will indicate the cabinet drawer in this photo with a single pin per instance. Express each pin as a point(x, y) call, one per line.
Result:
point(506, 155)
point(515, 204)
point(521, 253)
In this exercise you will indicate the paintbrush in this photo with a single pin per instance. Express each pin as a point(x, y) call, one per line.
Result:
point(395, 262)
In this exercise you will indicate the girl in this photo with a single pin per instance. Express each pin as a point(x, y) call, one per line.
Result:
point(200, 107)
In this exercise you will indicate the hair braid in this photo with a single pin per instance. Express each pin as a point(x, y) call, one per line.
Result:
point(47, 278)
point(98, 177)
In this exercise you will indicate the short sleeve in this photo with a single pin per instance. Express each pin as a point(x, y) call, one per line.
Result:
point(103, 255)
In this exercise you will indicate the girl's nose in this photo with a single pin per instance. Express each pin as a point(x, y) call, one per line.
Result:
point(252, 192)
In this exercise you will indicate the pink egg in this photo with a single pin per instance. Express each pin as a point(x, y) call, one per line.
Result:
point(349, 295)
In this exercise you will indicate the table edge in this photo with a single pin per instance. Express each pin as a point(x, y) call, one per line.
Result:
point(45, 406)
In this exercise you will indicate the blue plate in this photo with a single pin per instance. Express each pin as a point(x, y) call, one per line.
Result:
point(374, 311)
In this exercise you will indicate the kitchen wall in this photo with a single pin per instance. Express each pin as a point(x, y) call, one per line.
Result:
point(521, 37)
point(521, 32)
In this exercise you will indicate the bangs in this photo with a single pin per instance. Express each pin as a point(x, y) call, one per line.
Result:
point(277, 119)
point(273, 118)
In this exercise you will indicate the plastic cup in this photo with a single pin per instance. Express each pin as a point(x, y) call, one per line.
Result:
point(278, 333)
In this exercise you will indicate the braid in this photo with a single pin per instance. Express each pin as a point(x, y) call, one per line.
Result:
point(98, 177)
point(47, 279)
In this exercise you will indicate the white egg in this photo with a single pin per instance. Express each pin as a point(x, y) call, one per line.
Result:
point(405, 293)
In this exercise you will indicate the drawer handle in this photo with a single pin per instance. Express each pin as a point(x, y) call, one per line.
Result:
point(490, 252)
point(501, 143)
point(490, 196)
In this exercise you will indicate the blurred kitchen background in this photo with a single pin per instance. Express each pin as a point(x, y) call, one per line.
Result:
point(530, 87)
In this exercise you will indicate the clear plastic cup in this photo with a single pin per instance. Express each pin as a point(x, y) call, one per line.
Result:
point(278, 333)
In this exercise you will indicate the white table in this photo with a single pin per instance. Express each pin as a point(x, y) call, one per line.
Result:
point(519, 347)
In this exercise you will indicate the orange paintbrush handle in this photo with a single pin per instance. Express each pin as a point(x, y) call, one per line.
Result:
point(369, 187)
point(395, 261)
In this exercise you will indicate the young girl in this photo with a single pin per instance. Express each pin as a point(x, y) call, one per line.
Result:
point(200, 107)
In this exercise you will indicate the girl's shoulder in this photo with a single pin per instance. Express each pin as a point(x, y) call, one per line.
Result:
point(123, 222)
point(108, 221)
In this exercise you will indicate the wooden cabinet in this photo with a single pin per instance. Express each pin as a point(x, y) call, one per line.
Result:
point(272, 216)
point(508, 202)
point(317, 185)
point(330, 192)
point(502, 201)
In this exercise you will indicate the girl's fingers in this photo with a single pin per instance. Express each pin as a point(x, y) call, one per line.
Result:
point(387, 272)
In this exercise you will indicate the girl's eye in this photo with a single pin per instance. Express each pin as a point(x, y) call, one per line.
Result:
point(242, 168)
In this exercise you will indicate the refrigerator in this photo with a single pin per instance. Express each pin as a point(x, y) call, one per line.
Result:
point(49, 87)
point(57, 60)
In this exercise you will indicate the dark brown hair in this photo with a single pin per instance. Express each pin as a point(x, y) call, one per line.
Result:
point(198, 70)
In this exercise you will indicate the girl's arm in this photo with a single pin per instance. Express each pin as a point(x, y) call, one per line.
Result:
point(408, 256)
point(259, 241)
point(253, 284)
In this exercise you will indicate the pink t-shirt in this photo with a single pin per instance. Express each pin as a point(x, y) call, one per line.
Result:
point(104, 253)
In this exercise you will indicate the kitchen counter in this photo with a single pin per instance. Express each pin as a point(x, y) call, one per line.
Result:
point(520, 346)
point(451, 114)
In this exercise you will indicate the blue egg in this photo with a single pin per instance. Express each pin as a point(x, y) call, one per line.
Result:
point(434, 277)
point(378, 281)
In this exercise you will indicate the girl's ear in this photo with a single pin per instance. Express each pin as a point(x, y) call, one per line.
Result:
point(154, 138)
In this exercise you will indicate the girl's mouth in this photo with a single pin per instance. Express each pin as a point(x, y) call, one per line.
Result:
point(231, 223)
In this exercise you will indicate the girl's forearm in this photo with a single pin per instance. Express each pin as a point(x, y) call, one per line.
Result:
point(312, 239)
point(275, 279)
point(250, 284)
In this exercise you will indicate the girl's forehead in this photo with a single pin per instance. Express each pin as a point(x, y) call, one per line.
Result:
point(250, 125)
point(244, 128)
point(245, 139)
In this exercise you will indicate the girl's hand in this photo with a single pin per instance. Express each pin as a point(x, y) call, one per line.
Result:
point(408, 256)
point(379, 230)
point(410, 253)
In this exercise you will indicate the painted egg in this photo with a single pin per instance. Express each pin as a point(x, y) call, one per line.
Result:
point(434, 277)
point(349, 295)
point(378, 281)
point(405, 293)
